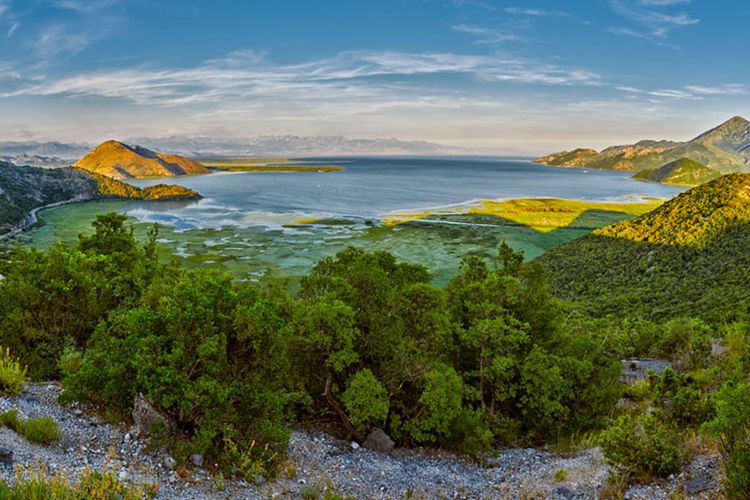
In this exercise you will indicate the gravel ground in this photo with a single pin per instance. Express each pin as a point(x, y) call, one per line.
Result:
point(321, 460)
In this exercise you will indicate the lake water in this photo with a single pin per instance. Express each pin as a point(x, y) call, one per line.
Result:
point(241, 225)
point(371, 187)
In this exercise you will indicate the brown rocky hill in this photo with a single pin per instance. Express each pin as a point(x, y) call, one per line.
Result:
point(122, 161)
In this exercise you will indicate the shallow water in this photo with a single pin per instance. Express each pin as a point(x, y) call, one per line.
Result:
point(240, 224)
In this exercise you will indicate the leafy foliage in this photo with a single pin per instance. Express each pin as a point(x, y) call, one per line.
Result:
point(35, 483)
point(41, 430)
point(732, 427)
point(687, 258)
point(12, 373)
point(640, 448)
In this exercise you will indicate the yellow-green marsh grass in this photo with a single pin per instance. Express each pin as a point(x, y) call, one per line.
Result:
point(541, 214)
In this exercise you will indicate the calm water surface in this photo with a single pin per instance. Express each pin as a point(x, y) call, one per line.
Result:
point(371, 187)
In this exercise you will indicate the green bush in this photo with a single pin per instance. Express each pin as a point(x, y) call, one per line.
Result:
point(53, 300)
point(33, 483)
point(10, 419)
point(12, 374)
point(209, 353)
point(366, 400)
point(42, 430)
point(731, 427)
point(681, 399)
point(640, 449)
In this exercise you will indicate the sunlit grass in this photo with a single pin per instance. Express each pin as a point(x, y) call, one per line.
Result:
point(268, 165)
point(541, 214)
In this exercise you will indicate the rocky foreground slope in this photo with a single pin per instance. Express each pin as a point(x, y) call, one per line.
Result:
point(318, 462)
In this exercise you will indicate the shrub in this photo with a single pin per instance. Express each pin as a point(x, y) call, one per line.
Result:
point(42, 430)
point(682, 400)
point(210, 354)
point(366, 400)
point(10, 419)
point(36, 483)
point(641, 448)
point(731, 427)
point(12, 374)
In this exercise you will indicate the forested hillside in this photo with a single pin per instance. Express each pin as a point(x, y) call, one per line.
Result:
point(688, 257)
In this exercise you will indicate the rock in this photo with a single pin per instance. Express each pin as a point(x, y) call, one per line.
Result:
point(562, 492)
point(197, 460)
point(169, 462)
point(6, 457)
point(355, 445)
point(123, 475)
point(259, 479)
point(147, 418)
point(127, 438)
point(697, 484)
point(378, 440)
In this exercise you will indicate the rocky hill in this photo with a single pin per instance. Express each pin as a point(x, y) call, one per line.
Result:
point(683, 172)
point(122, 161)
point(26, 189)
point(725, 148)
point(686, 257)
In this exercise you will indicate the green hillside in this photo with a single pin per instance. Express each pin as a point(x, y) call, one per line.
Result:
point(725, 148)
point(25, 188)
point(22, 189)
point(683, 172)
point(688, 257)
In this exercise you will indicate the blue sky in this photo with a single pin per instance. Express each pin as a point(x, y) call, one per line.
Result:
point(499, 76)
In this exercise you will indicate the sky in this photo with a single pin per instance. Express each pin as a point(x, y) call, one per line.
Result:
point(517, 77)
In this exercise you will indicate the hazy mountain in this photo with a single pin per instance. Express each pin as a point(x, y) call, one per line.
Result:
point(66, 151)
point(683, 172)
point(122, 161)
point(36, 161)
point(725, 148)
point(291, 145)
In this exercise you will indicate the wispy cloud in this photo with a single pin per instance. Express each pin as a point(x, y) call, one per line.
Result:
point(487, 35)
point(652, 25)
point(55, 40)
point(728, 89)
point(243, 76)
point(85, 5)
point(690, 92)
point(535, 12)
point(663, 3)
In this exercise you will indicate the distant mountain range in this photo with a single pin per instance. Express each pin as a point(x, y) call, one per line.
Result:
point(65, 151)
point(118, 160)
point(267, 145)
point(291, 145)
point(725, 148)
point(25, 160)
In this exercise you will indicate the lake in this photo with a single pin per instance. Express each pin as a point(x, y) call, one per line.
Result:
point(243, 223)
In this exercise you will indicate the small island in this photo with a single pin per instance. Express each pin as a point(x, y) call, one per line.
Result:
point(255, 164)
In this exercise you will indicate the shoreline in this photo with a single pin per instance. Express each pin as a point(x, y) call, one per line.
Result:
point(30, 219)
